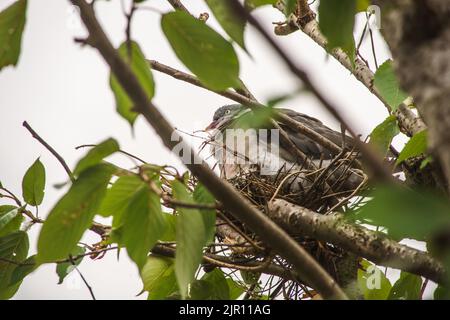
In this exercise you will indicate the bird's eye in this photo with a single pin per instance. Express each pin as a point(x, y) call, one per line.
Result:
point(228, 112)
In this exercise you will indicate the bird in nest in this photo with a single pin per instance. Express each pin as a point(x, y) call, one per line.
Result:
point(244, 140)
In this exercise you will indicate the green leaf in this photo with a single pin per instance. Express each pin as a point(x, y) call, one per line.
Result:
point(381, 137)
point(441, 293)
point(10, 219)
point(118, 197)
point(73, 214)
point(372, 282)
point(416, 146)
point(191, 239)
point(386, 83)
point(236, 290)
point(406, 288)
point(63, 269)
point(255, 119)
point(12, 23)
point(233, 24)
point(13, 247)
point(158, 277)
point(336, 21)
point(406, 213)
point(206, 53)
point(212, 286)
point(96, 154)
point(362, 5)
point(20, 272)
point(253, 4)
point(170, 234)
point(136, 60)
point(289, 7)
point(143, 225)
point(203, 196)
point(33, 184)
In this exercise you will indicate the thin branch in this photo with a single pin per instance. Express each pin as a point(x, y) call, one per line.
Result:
point(366, 243)
point(225, 262)
point(49, 148)
point(91, 291)
point(268, 231)
point(121, 151)
point(176, 4)
point(359, 70)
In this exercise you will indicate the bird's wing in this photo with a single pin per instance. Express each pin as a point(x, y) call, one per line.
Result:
point(308, 146)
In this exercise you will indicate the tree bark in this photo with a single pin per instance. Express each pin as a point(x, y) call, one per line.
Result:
point(418, 34)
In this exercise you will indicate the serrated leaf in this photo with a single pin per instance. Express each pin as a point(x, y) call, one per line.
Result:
point(381, 137)
point(33, 184)
point(336, 21)
point(63, 269)
point(234, 25)
point(143, 224)
point(416, 146)
point(73, 214)
point(96, 154)
point(12, 23)
point(191, 239)
point(24, 269)
point(158, 277)
point(10, 219)
point(386, 83)
point(118, 197)
point(205, 52)
point(132, 54)
point(203, 196)
point(372, 282)
point(13, 247)
point(406, 288)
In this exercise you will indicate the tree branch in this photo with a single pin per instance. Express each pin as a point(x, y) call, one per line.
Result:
point(409, 122)
point(371, 245)
point(267, 230)
point(225, 262)
point(251, 103)
point(49, 148)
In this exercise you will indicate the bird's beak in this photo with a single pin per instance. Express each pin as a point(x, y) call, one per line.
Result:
point(212, 125)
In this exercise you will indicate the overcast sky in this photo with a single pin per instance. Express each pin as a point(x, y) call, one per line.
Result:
point(62, 90)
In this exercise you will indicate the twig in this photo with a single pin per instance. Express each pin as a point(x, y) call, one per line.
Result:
point(176, 4)
point(121, 151)
point(268, 231)
point(49, 148)
point(11, 196)
point(91, 291)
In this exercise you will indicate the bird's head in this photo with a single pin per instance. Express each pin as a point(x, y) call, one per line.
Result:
point(225, 115)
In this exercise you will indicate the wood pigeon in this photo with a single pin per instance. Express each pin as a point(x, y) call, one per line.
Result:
point(238, 149)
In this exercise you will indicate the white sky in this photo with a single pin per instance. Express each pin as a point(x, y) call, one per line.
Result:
point(62, 90)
